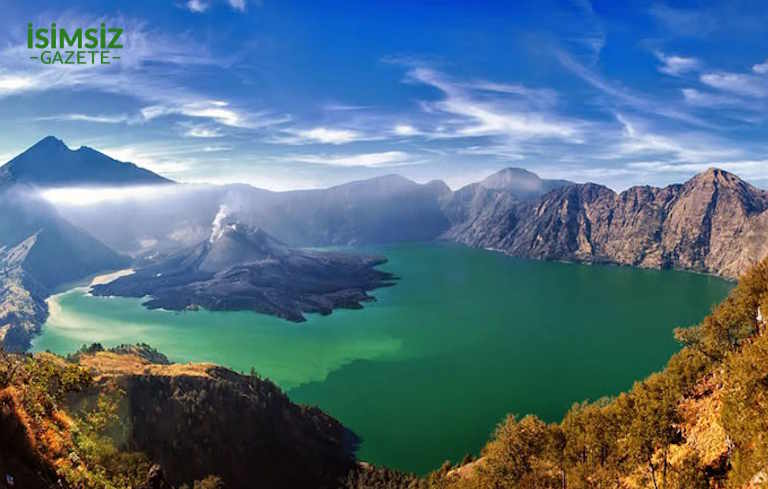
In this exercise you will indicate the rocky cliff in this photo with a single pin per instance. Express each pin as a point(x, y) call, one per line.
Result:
point(714, 223)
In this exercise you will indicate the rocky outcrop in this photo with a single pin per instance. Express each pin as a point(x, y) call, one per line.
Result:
point(714, 223)
point(196, 420)
point(22, 299)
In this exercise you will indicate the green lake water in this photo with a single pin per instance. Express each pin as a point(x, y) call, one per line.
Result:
point(425, 373)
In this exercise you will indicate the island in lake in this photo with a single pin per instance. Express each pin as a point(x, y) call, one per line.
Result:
point(243, 268)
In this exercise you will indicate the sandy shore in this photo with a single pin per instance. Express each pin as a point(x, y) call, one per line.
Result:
point(109, 277)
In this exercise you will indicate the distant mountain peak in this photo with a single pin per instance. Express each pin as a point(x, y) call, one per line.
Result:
point(50, 162)
point(520, 181)
point(717, 175)
point(517, 177)
point(50, 141)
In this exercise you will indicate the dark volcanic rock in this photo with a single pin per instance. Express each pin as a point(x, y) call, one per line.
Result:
point(240, 268)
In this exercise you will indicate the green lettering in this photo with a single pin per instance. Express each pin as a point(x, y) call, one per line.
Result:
point(42, 38)
point(113, 44)
point(66, 41)
point(91, 35)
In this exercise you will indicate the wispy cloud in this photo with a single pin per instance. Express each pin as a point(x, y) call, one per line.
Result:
point(689, 22)
point(158, 89)
point(101, 119)
point(201, 131)
point(216, 110)
point(176, 160)
point(370, 160)
point(201, 6)
point(405, 130)
point(593, 34)
point(320, 135)
point(471, 115)
point(738, 83)
point(677, 65)
point(696, 97)
point(639, 142)
point(621, 96)
point(237, 5)
point(761, 68)
point(197, 6)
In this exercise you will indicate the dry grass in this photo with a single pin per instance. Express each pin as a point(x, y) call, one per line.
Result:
point(108, 364)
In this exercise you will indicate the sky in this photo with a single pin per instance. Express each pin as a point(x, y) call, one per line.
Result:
point(287, 94)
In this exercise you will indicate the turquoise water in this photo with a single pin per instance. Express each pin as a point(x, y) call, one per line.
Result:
point(424, 374)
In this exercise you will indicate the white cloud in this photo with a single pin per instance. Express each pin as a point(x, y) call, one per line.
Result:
point(330, 136)
point(237, 5)
point(17, 83)
point(677, 65)
point(197, 6)
point(707, 99)
point(175, 160)
point(321, 135)
point(639, 142)
point(371, 160)
point(738, 83)
point(157, 89)
point(210, 109)
point(621, 96)
point(102, 119)
point(472, 116)
point(686, 22)
point(217, 148)
point(537, 96)
point(502, 152)
point(202, 131)
point(761, 68)
point(216, 110)
point(405, 130)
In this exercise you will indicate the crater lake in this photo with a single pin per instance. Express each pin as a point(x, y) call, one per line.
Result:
point(426, 372)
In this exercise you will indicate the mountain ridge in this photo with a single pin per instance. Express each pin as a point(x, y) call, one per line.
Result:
point(689, 226)
point(50, 162)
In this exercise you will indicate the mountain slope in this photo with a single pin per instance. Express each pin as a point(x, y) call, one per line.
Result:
point(50, 163)
point(713, 223)
point(40, 251)
point(472, 208)
point(379, 210)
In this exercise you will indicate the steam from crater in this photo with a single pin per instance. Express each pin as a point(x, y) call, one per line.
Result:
point(217, 226)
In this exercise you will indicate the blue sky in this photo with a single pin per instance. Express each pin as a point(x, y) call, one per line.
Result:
point(283, 94)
